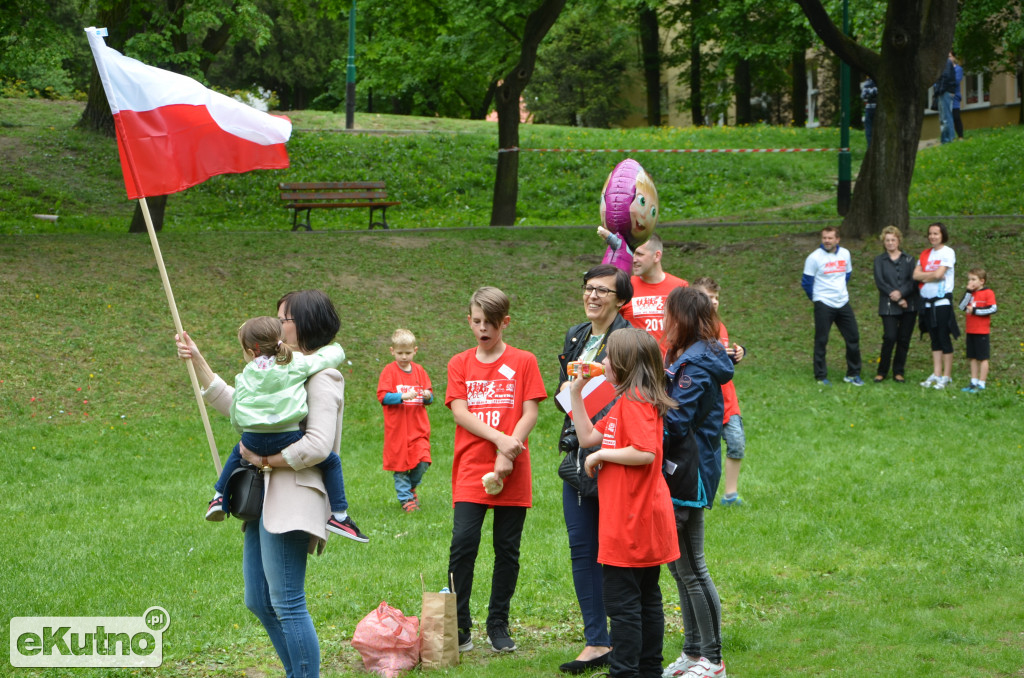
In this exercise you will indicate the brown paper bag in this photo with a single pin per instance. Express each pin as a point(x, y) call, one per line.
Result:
point(439, 630)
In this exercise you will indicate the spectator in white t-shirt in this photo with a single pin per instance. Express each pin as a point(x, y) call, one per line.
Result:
point(934, 271)
point(826, 272)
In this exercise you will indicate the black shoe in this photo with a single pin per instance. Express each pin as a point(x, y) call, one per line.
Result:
point(346, 528)
point(465, 640)
point(584, 665)
point(500, 640)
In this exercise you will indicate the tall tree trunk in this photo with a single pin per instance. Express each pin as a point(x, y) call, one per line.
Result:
point(157, 204)
point(915, 41)
point(741, 85)
point(650, 46)
point(696, 103)
point(509, 92)
point(799, 88)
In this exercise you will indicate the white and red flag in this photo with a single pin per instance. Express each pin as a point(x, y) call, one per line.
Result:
point(597, 394)
point(173, 133)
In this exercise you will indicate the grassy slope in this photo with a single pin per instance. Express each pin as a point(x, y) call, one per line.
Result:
point(881, 523)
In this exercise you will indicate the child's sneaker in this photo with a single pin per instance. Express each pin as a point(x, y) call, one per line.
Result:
point(410, 506)
point(930, 381)
point(678, 667)
point(216, 512)
point(731, 501)
point(346, 528)
point(705, 669)
point(465, 640)
point(942, 383)
point(500, 640)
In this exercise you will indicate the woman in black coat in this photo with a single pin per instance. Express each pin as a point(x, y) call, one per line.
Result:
point(897, 303)
point(605, 290)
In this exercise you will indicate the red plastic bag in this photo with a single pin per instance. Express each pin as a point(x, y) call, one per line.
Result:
point(388, 641)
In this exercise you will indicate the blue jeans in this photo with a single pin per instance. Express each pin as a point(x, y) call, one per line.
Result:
point(948, 133)
point(266, 444)
point(274, 568)
point(407, 481)
point(734, 437)
point(698, 597)
point(587, 576)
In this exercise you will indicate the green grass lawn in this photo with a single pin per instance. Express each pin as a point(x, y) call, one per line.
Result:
point(882, 531)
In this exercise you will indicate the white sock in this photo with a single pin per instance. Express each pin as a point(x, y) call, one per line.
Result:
point(217, 495)
point(981, 383)
point(340, 516)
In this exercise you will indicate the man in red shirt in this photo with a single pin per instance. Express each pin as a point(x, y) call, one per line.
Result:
point(651, 285)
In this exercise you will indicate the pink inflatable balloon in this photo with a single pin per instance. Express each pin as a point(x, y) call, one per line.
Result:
point(629, 209)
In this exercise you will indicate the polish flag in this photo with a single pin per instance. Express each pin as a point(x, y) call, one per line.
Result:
point(597, 394)
point(173, 133)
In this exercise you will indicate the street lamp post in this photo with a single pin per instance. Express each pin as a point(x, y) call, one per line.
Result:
point(843, 190)
point(350, 71)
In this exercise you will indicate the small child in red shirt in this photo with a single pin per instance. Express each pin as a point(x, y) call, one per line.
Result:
point(636, 525)
point(404, 390)
point(979, 303)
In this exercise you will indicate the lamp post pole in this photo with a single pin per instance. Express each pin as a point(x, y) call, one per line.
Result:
point(843, 189)
point(350, 71)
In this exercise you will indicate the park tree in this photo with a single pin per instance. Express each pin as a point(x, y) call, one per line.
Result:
point(507, 97)
point(990, 36)
point(915, 39)
point(582, 68)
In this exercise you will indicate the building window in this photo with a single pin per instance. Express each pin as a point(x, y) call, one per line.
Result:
point(975, 90)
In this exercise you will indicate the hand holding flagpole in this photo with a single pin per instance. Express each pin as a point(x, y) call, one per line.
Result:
point(173, 133)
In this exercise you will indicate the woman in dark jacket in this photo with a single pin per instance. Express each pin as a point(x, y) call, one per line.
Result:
point(897, 303)
point(605, 289)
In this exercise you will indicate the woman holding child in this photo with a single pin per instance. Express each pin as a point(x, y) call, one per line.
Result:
point(296, 508)
point(897, 304)
point(606, 289)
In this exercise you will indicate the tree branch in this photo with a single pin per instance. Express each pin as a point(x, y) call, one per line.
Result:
point(857, 56)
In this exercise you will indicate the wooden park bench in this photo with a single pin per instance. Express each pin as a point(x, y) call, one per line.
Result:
point(330, 194)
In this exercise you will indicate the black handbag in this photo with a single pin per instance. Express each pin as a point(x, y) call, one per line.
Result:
point(245, 493)
point(571, 471)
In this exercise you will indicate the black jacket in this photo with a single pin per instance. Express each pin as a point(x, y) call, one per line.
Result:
point(895, 275)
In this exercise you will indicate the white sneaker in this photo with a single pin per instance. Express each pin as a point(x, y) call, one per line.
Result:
point(942, 383)
point(678, 667)
point(705, 669)
point(930, 381)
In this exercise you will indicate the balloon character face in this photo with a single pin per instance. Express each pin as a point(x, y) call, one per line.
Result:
point(643, 213)
point(629, 203)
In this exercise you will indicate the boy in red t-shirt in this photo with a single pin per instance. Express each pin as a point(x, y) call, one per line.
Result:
point(404, 390)
point(979, 303)
point(733, 434)
point(493, 392)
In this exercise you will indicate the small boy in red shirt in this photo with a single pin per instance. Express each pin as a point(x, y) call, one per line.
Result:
point(404, 390)
point(979, 303)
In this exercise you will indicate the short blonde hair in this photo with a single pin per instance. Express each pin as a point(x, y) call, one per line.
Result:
point(493, 302)
point(891, 229)
point(403, 337)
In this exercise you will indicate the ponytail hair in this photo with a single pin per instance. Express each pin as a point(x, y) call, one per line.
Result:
point(636, 360)
point(262, 336)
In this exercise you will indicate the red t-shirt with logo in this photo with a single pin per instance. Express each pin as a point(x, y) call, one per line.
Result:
point(406, 425)
point(636, 525)
point(495, 393)
point(646, 310)
point(732, 403)
point(981, 324)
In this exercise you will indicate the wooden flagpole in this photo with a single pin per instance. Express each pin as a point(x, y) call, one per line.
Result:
point(177, 328)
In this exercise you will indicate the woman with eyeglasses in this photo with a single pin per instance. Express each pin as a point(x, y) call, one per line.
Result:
point(296, 508)
point(605, 289)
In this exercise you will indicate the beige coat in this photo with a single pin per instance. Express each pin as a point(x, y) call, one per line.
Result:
point(295, 498)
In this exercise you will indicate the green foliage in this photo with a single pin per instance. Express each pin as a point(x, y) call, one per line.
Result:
point(40, 50)
point(581, 69)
